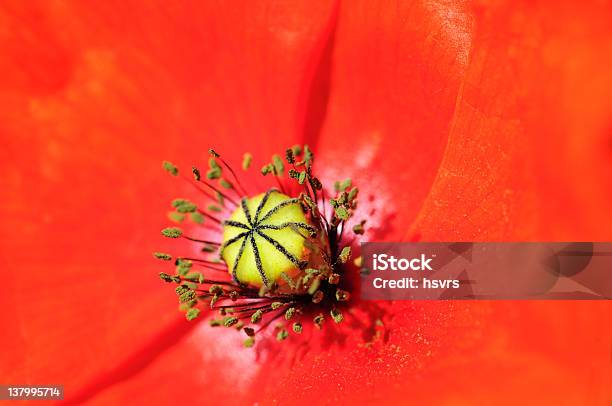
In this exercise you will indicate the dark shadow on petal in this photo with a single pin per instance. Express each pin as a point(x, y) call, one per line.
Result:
point(135, 362)
point(317, 84)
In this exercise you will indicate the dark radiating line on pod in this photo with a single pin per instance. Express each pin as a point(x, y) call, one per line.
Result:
point(238, 256)
point(277, 208)
point(262, 204)
point(282, 250)
point(258, 264)
point(237, 224)
point(247, 214)
point(288, 224)
point(234, 239)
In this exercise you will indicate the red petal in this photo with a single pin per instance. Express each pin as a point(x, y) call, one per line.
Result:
point(529, 153)
point(397, 73)
point(461, 353)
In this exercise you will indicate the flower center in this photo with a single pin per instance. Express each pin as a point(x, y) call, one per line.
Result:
point(281, 258)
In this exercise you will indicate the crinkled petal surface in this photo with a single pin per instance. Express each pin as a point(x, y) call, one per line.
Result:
point(480, 121)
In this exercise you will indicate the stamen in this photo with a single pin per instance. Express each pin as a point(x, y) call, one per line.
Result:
point(336, 315)
point(210, 216)
point(270, 321)
point(192, 313)
point(202, 241)
point(280, 184)
point(196, 217)
point(246, 161)
point(282, 335)
point(220, 193)
point(193, 183)
point(162, 256)
point(203, 261)
point(172, 232)
point(243, 192)
point(170, 168)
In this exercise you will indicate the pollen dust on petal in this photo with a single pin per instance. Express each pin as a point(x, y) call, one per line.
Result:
point(228, 349)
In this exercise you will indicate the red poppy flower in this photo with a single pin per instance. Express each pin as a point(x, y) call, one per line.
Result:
point(483, 121)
